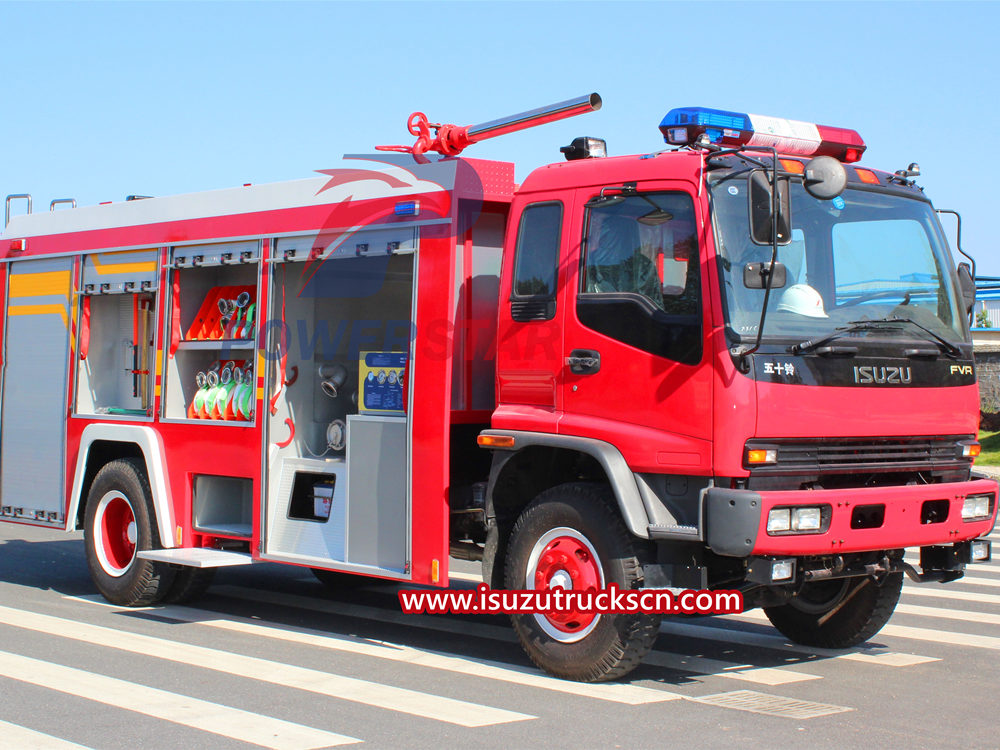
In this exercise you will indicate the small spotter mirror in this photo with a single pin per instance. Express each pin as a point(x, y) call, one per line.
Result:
point(824, 177)
point(759, 191)
point(755, 275)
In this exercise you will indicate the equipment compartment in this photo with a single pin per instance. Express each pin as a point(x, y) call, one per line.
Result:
point(116, 355)
point(223, 505)
point(213, 322)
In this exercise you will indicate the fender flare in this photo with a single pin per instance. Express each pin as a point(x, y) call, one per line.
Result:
point(619, 474)
point(148, 441)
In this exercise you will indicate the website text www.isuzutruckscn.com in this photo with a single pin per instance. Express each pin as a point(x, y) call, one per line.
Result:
point(610, 600)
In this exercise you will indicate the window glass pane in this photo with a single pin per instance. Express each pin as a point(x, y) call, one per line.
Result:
point(538, 251)
point(645, 244)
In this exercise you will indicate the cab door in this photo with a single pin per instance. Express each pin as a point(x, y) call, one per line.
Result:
point(530, 336)
point(636, 370)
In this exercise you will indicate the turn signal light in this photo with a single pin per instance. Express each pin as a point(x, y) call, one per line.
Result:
point(762, 456)
point(495, 441)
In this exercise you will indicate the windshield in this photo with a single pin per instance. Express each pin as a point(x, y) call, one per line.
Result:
point(862, 256)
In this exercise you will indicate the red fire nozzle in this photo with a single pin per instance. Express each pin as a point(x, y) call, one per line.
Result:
point(452, 139)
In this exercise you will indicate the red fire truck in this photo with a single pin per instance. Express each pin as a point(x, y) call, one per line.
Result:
point(741, 362)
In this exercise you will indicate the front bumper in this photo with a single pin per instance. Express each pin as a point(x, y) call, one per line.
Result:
point(735, 521)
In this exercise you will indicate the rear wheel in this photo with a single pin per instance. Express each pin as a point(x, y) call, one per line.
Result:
point(119, 524)
point(189, 584)
point(839, 613)
point(571, 537)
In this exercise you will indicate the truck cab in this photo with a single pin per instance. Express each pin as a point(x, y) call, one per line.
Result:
point(757, 355)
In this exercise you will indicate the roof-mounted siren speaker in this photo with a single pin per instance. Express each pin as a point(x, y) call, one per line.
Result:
point(684, 125)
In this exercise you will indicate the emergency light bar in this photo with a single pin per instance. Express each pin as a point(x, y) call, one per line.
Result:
point(682, 126)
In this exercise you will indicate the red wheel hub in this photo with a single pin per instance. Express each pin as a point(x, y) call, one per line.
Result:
point(118, 532)
point(568, 563)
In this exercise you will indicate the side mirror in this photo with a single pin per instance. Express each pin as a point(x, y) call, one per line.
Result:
point(824, 178)
point(755, 275)
point(761, 207)
point(967, 285)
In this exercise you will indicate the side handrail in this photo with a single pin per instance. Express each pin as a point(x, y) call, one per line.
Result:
point(17, 196)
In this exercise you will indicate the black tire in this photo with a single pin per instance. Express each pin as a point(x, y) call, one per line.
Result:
point(119, 523)
point(611, 646)
point(189, 584)
point(838, 614)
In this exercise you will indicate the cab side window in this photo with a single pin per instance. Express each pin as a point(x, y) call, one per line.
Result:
point(536, 263)
point(641, 282)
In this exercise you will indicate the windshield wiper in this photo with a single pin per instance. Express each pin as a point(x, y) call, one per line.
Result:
point(879, 324)
point(946, 346)
point(856, 325)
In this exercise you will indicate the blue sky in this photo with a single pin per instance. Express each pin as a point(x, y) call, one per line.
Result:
point(104, 100)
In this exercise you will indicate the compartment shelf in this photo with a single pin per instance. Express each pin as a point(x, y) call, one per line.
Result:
point(213, 344)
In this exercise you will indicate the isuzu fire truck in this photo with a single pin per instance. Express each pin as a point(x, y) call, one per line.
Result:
point(742, 362)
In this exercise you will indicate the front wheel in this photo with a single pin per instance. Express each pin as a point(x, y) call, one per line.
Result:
point(839, 613)
point(118, 524)
point(572, 537)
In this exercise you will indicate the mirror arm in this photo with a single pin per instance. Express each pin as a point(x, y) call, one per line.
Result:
point(740, 150)
point(775, 203)
point(958, 246)
point(958, 236)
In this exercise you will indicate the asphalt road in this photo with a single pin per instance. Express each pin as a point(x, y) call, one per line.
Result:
point(271, 658)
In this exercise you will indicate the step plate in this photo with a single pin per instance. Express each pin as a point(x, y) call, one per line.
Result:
point(198, 557)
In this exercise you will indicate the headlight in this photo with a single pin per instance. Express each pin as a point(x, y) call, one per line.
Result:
point(806, 520)
point(779, 519)
point(977, 507)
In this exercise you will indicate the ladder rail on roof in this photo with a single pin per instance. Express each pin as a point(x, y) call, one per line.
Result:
point(15, 196)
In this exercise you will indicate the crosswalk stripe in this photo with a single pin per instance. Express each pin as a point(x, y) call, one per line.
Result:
point(366, 612)
point(615, 692)
point(161, 704)
point(670, 660)
point(18, 736)
point(403, 700)
point(777, 642)
point(904, 631)
point(986, 618)
point(747, 672)
point(942, 592)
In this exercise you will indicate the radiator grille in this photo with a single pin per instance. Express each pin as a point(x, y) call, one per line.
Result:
point(844, 455)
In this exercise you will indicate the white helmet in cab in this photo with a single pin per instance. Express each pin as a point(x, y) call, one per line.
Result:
point(802, 299)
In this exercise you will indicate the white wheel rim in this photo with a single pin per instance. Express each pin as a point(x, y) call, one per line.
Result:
point(561, 578)
point(115, 533)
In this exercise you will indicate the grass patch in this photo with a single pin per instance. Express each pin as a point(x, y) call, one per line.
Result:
point(991, 449)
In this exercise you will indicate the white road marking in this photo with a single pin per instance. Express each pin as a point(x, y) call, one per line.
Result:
point(942, 592)
point(670, 660)
point(336, 686)
point(179, 709)
point(15, 736)
point(747, 672)
point(963, 615)
point(780, 643)
point(615, 692)
point(902, 631)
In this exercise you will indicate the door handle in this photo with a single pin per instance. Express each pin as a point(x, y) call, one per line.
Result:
point(584, 361)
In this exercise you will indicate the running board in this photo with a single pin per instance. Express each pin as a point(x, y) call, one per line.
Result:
point(198, 557)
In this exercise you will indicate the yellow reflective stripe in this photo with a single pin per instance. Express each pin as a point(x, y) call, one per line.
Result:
point(111, 269)
point(41, 284)
point(59, 310)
